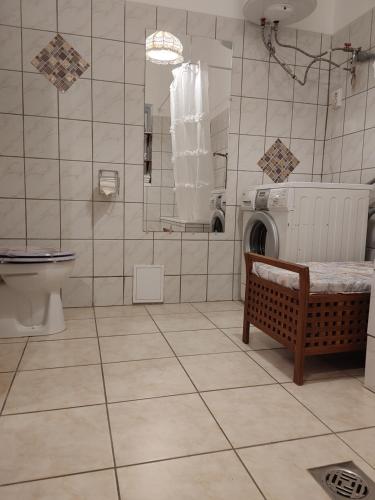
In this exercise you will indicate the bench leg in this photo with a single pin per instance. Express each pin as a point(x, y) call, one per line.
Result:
point(245, 331)
point(299, 363)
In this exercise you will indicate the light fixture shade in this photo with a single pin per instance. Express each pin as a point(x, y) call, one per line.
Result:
point(164, 48)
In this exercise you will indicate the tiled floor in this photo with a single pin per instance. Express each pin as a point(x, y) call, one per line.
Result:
point(165, 402)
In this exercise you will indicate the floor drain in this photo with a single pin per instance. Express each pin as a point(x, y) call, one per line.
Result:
point(344, 480)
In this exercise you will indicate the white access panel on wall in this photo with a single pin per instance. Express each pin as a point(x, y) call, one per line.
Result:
point(148, 284)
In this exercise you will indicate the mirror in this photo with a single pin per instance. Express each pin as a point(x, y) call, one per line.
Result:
point(187, 108)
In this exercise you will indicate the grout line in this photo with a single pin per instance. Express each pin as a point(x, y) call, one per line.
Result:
point(12, 381)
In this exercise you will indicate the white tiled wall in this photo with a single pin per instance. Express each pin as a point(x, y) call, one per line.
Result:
point(349, 147)
point(52, 146)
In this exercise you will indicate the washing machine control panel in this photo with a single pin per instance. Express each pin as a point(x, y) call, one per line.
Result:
point(271, 199)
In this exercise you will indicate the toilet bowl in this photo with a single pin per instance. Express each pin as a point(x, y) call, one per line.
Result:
point(30, 283)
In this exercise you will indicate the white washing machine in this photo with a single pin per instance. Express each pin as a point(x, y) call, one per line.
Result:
point(217, 207)
point(305, 221)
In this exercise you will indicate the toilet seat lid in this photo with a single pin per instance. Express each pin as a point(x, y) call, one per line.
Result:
point(34, 255)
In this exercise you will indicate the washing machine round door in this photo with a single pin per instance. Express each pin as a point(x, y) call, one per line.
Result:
point(218, 222)
point(261, 235)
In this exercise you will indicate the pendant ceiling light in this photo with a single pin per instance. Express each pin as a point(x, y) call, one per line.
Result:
point(164, 48)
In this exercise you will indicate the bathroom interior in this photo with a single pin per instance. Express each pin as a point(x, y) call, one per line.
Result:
point(187, 245)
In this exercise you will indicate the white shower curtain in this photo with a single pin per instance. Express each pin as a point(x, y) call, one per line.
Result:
point(191, 142)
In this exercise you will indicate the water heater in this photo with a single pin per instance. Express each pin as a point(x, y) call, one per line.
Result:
point(285, 12)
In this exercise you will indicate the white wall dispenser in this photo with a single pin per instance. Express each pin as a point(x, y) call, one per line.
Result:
point(109, 182)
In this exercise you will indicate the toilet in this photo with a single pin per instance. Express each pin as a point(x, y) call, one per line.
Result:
point(30, 283)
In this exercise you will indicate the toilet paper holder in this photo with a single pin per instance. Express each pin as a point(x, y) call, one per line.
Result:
point(109, 182)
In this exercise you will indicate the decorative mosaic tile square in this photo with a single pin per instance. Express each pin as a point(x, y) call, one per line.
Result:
point(278, 162)
point(60, 63)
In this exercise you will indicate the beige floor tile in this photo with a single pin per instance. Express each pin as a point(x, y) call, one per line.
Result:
point(258, 415)
point(75, 329)
point(221, 371)
point(145, 379)
point(60, 353)
point(54, 443)
point(5, 381)
point(279, 363)
point(10, 355)
point(120, 311)
point(161, 428)
point(13, 340)
point(226, 319)
point(55, 388)
point(182, 322)
point(133, 347)
point(258, 339)
point(362, 442)
point(171, 308)
point(343, 404)
point(281, 472)
point(226, 305)
point(98, 485)
point(200, 342)
point(218, 476)
point(129, 325)
point(78, 313)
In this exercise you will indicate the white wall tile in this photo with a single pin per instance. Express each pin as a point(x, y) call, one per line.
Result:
point(108, 220)
point(108, 291)
point(12, 216)
point(250, 152)
point(236, 83)
point(194, 257)
point(134, 183)
point(368, 149)
point(76, 103)
point(194, 288)
point(355, 113)
point(231, 30)
point(108, 60)
point(10, 12)
point(74, 16)
point(133, 144)
point(108, 142)
point(220, 287)
point(304, 121)
point(76, 180)
point(134, 222)
point(83, 265)
point(10, 91)
point(10, 42)
point(172, 286)
point(352, 152)
point(168, 253)
point(39, 14)
point(253, 44)
point(139, 17)
point(254, 79)
point(42, 178)
point(75, 140)
point(33, 42)
point(76, 220)
point(77, 292)
point(108, 102)
point(280, 84)
point(108, 19)
point(279, 118)
point(12, 177)
point(40, 97)
point(173, 20)
point(134, 63)
point(307, 93)
point(288, 36)
point(137, 252)
point(135, 99)
point(304, 152)
point(108, 258)
point(43, 218)
point(41, 137)
point(11, 128)
point(220, 257)
point(370, 110)
point(200, 24)
point(360, 31)
point(309, 41)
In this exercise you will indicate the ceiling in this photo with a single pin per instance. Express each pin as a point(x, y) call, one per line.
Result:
point(329, 17)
